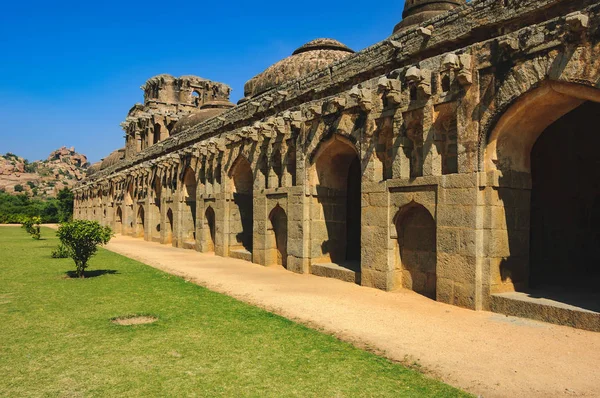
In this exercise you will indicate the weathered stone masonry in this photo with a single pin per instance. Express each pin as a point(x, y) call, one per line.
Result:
point(432, 160)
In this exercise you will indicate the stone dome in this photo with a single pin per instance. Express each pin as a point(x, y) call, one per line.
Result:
point(112, 159)
point(207, 111)
point(93, 169)
point(418, 11)
point(310, 57)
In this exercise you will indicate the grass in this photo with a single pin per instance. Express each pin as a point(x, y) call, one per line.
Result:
point(57, 338)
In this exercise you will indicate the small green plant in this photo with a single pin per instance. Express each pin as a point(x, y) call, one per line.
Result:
point(32, 226)
point(61, 251)
point(19, 188)
point(82, 238)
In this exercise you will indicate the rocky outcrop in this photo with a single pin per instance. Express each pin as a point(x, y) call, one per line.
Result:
point(63, 168)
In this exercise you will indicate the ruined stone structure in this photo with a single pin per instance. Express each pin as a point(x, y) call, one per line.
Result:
point(456, 158)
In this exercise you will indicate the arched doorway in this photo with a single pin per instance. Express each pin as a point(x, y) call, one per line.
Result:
point(209, 229)
point(542, 150)
point(140, 222)
point(129, 214)
point(188, 229)
point(169, 227)
point(416, 254)
point(277, 237)
point(336, 173)
point(119, 221)
point(155, 206)
point(241, 211)
point(565, 203)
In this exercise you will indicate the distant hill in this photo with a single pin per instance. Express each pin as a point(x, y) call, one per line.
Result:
point(44, 178)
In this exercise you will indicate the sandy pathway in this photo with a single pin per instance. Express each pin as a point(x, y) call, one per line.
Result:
point(483, 353)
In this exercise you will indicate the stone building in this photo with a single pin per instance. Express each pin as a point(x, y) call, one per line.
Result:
point(456, 158)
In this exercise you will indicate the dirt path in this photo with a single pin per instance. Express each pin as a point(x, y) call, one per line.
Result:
point(483, 353)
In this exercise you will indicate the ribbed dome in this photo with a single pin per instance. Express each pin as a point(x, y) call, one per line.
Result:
point(207, 111)
point(310, 57)
point(418, 11)
point(112, 159)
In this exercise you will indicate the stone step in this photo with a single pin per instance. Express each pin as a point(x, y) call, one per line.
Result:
point(335, 271)
point(241, 255)
point(535, 306)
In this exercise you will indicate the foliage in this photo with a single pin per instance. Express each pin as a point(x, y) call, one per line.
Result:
point(30, 167)
point(57, 339)
point(19, 188)
point(82, 238)
point(31, 184)
point(65, 204)
point(32, 226)
point(13, 208)
point(61, 251)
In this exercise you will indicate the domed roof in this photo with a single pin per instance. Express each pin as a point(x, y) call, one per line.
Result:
point(418, 11)
point(310, 57)
point(112, 159)
point(93, 169)
point(207, 111)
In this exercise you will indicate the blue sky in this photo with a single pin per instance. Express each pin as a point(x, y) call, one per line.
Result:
point(70, 70)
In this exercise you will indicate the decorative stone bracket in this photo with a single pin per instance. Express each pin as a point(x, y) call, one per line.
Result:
point(421, 79)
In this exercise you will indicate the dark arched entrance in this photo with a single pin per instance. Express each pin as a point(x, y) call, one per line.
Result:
point(565, 203)
point(338, 193)
point(210, 232)
point(278, 234)
point(242, 212)
point(189, 206)
point(140, 222)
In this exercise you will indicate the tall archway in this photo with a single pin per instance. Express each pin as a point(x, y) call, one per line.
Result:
point(140, 222)
point(242, 212)
point(336, 173)
point(565, 202)
point(416, 254)
point(277, 236)
point(209, 229)
point(189, 206)
point(542, 149)
point(129, 214)
point(169, 227)
point(155, 206)
point(119, 220)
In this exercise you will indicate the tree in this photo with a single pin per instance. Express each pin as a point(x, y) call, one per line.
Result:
point(19, 188)
point(32, 226)
point(82, 238)
point(65, 204)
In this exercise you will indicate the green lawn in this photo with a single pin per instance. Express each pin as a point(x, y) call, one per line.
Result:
point(56, 338)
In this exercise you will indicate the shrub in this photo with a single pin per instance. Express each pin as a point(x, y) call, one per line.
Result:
point(82, 238)
point(19, 188)
point(61, 251)
point(32, 226)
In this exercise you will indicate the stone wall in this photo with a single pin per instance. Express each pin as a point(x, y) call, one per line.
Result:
point(435, 125)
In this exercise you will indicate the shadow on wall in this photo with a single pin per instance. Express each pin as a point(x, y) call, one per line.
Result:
point(550, 195)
